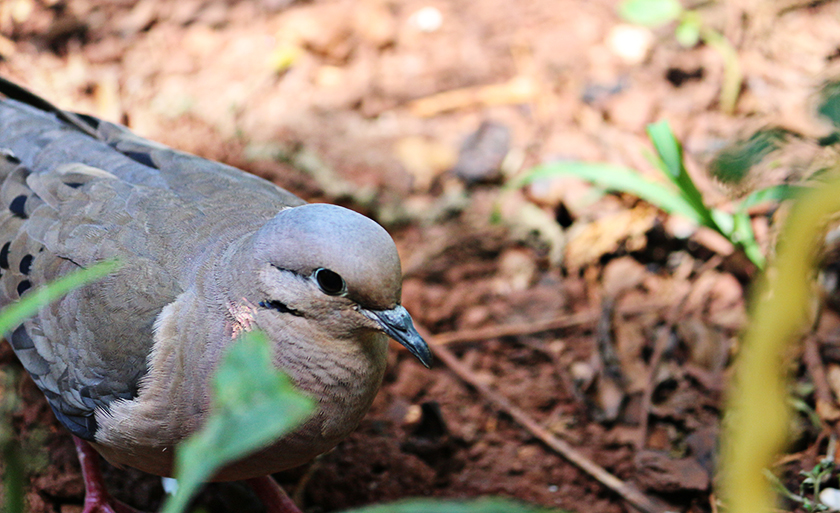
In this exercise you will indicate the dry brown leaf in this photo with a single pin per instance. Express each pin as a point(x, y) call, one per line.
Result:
point(608, 234)
point(659, 472)
point(621, 275)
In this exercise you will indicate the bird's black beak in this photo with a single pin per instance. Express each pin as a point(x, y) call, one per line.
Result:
point(396, 323)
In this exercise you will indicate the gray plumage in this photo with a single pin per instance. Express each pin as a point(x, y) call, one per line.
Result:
point(208, 251)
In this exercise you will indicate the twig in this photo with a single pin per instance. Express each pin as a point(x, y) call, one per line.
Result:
point(822, 390)
point(658, 350)
point(628, 492)
point(518, 329)
point(531, 327)
point(519, 89)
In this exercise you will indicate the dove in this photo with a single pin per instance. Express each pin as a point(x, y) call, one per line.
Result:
point(207, 252)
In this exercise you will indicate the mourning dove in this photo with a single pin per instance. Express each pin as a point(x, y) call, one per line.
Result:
point(207, 252)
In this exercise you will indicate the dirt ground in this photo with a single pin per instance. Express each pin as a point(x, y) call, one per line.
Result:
point(611, 325)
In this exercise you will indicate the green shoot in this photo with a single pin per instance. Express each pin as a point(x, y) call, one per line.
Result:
point(812, 481)
point(34, 300)
point(681, 196)
point(689, 31)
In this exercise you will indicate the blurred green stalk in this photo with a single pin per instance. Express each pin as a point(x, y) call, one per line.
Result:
point(757, 413)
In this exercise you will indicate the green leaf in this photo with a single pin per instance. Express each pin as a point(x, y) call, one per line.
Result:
point(34, 300)
point(671, 164)
point(724, 222)
point(253, 405)
point(733, 163)
point(688, 32)
point(650, 13)
point(668, 149)
point(829, 102)
point(485, 505)
point(733, 76)
point(685, 200)
point(774, 193)
point(615, 178)
point(744, 236)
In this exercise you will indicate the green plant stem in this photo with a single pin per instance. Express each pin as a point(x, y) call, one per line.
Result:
point(732, 74)
point(757, 413)
point(13, 478)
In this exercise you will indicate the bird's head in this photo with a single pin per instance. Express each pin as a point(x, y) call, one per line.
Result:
point(336, 268)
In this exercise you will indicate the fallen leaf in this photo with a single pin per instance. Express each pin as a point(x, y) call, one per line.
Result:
point(606, 235)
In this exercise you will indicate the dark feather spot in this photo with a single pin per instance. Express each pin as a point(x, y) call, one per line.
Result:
point(26, 264)
point(10, 157)
point(18, 206)
point(23, 287)
point(280, 307)
point(90, 120)
point(21, 340)
point(4, 255)
point(140, 157)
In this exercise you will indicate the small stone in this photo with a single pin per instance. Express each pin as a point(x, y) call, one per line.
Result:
point(427, 19)
point(482, 153)
point(630, 43)
point(831, 498)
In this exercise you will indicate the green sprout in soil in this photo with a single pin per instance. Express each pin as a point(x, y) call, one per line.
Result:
point(681, 196)
point(689, 31)
point(812, 482)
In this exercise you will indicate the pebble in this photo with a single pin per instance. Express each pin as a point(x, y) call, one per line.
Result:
point(427, 19)
point(630, 43)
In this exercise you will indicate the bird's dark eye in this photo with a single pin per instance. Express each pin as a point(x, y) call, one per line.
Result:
point(330, 282)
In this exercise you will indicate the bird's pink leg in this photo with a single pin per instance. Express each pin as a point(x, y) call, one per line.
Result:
point(97, 498)
point(272, 496)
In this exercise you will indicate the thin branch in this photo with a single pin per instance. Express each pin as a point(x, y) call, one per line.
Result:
point(532, 327)
point(659, 347)
point(627, 491)
point(825, 403)
point(518, 329)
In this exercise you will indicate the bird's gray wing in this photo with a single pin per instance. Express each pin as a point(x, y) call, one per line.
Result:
point(71, 197)
point(90, 347)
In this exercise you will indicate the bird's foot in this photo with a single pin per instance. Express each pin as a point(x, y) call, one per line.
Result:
point(97, 498)
point(272, 496)
point(109, 505)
